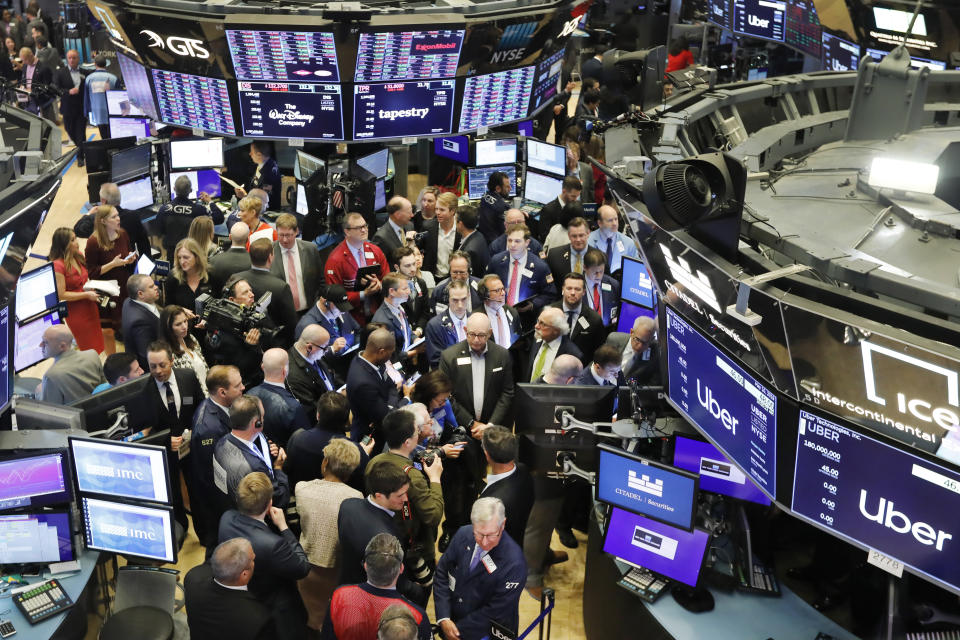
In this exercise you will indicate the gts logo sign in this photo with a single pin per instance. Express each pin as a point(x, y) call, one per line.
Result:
point(190, 47)
point(898, 521)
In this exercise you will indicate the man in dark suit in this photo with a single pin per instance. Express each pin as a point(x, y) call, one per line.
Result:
point(331, 312)
point(641, 353)
point(603, 292)
point(308, 377)
point(553, 212)
point(605, 368)
point(568, 258)
point(527, 277)
point(504, 319)
point(585, 324)
point(551, 340)
point(437, 230)
point(493, 205)
point(140, 316)
point(233, 260)
point(508, 480)
point(417, 305)
point(296, 262)
point(280, 309)
point(473, 243)
point(282, 412)
point(394, 233)
point(396, 291)
point(34, 74)
point(279, 559)
point(373, 393)
point(70, 80)
point(218, 601)
point(459, 266)
point(449, 327)
point(514, 216)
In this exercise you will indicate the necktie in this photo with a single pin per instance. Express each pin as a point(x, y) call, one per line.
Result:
point(514, 283)
point(323, 376)
point(570, 315)
point(596, 298)
point(404, 327)
point(292, 279)
point(338, 327)
point(610, 254)
point(475, 560)
point(400, 235)
point(258, 447)
point(501, 339)
point(458, 325)
point(578, 265)
point(360, 261)
point(538, 365)
point(171, 400)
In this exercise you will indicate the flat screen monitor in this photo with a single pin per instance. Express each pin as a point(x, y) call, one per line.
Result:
point(878, 496)
point(306, 165)
point(206, 180)
point(36, 292)
point(717, 473)
point(839, 54)
point(525, 128)
point(283, 56)
point(760, 18)
point(376, 163)
point(734, 410)
point(646, 487)
point(915, 61)
point(718, 12)
point(541, 188)
point(6, 378)
point(27, 351)
point(118, 104)
point(34, 480)
point(629, 313)
point(477, 178)
point(637, 285)
point(97, 152)
point(131, 163)
point(456, 148)
point(495, 98)
point(646, 543)
point(199, 153)
point(499, 151)
point(802, 28)
point(123, 127)
point(32, 538)
point(899, 21)
point(403, 109)
point(128, 529)
point(101, 410)
point(302, 206)
point(120, 469)
point(137, 82)
point(136, 194)
point(308, 111)
point(390, 56)
point(196, 102)
point(34, 414)
point(547, 81)
point(549, 158)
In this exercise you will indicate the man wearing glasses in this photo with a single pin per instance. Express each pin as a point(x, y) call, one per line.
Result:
point(347, 258)
point(641, 354)
point(308, 377)
point(480, 577)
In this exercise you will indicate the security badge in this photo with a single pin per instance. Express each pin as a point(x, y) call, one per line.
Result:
point(488, 564)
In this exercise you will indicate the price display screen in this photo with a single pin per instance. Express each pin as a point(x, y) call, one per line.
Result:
point(401, 109)
point(297, 56)
point(759, 18)
point(839, 54)
point(803, 27)
point(284, 110)
point(496, 98)
point(547, 79)
point(194, 101)
point(408, 55)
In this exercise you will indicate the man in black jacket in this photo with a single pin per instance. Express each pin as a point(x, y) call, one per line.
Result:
point(140, 316)
point(175, 217)
point(280, 309)
point(554, 211)
point(308, 377)
point(70, 80)
point(551, 341)
point(585, 324)
point(233, 260)
point(35, 75)
point(508, 480)
point(373, 393)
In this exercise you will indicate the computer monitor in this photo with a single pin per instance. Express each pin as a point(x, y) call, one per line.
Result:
point(269, 54)
point(547, 81)
point(301, 206)
point(138, 86)
point(97, 152)
point(629, 313)
point(27, 350)
point(120, 469)
point(131, 163)
point(642, 542)
point(403, 109)
point(291, 110)
point(646, 487)
point(33, 479)
point(178, 95)
point(118, 104)
point(915, 61)
point(802, 29)
point(36, 292)
point(496, 152)
point(525, 128)
point(375, 163)
point(550, 158)
point(728, 405)
point(718, 12)
point(129, 529)
point(100, 410)
point(637, 286)
point(456, 148)
point(717, 473)
point(541, 188)
point(123, 127)
point(477, 178)
point(136, 194)
point(206, 180)
point(391, 56)
point(839, 54)
point(760, 18)
point(496, 98)
point(198, 153)
point(306, 165)
point(34, 414)
point(39, 537)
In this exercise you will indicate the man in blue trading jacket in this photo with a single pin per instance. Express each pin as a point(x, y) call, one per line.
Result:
point(266, 177)
point(493, 205)
point(527, 277)
point(175, 217)
point(282, 411)
point(480, 577)
point(449, 327)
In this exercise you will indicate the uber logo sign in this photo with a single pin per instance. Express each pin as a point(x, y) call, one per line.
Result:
point(757, 21)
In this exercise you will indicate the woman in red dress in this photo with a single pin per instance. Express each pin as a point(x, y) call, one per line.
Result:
point(69, 265)
point(110, 257)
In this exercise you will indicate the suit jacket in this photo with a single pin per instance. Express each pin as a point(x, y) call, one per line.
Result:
point(305, 455)
point(476, 245)
point(513, 322)
point(210, 424)
point(403, 334)
point(498, 390)
point(371, 398)
point(280, 560)
point(609, 300)
point(645, 371)
point(155, 404)
point(281, 308)
point(358, 522)
point(223, 265)
point(430, 241)
point(232, 460)
point(42, 74)
point(72, 376)
point(311, 269)
point(516, 493)
point(305, 383)
point(140, 328)
point(490, 215)
point(417, 307)
point(588, 332)
point(550, 214)
point(439, 297)
point(440, 334)
point(282, 412)
point(387, 239)
point(216, 611)
point(566, 348)
point(538, 287)
point(315, 316)
point(558, 259)
point(70, 104)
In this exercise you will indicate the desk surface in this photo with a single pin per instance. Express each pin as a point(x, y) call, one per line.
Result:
point(73, 584)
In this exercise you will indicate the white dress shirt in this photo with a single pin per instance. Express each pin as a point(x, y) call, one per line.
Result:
point(445, 242)
point(162, 388)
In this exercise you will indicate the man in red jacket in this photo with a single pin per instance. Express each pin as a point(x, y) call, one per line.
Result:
point(347, 257)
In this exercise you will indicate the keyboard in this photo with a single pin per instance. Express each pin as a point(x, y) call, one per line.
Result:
point(645, 584)
point(43, 600)
point(762, 581)
point(934, 635)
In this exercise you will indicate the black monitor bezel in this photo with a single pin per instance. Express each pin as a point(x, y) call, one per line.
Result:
point(64, 497)
point(121, 444)
point(44, 267)
point(195, 167)
point(131, 503)
point(70, 525)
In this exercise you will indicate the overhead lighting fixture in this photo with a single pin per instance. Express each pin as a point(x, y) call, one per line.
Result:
point(903, 175)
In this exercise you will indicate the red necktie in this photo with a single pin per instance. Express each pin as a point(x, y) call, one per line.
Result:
point(514, 283)
point(596, 297)
point(500, 340)
point(292, 280)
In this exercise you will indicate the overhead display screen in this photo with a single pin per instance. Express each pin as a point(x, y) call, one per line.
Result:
point(194, 101)
point(284, 110)
point(719, 12)
point(878, 496)
point(802, 30)
point(295, 56)
point(760, 18)
point(401, 109)
point(138, 85)
point(389, 56)
point(727, 404)
point(637, 285)
point(547, 79)
point(915, 61)
point(496, 98)
point(839, 54)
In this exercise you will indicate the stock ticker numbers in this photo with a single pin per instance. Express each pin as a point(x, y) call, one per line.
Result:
point(194, 101)
point(289, 110)
point(294, 56)
point(408, 55)
point(495, 98)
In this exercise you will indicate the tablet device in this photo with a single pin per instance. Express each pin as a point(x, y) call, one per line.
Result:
point(363, 272)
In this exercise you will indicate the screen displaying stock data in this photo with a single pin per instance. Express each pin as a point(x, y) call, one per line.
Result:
point(547, 79)
point(194, 101)
point(719, 12)
point(400, 109)
point(293, 56)
point(288, 110)
point(839, 54)
point(495, 98)
point(802, 30)
point(387, 56)
point(760, 18)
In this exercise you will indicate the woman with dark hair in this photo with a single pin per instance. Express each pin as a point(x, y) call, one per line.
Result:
point(175, 331)
point(110, 256)
point(70, 270)
point(433, 391)
point(678, 55)
point(188, 275)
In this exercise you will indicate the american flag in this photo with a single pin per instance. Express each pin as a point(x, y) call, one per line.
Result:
point(337, 198)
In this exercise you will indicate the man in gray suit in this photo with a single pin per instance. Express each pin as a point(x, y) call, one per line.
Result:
point(73, 374)
point(394, 233)
point(297, 263)
point(233, 260)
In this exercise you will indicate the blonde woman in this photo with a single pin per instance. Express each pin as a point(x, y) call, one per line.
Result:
point(201, 231)
point(188, 275)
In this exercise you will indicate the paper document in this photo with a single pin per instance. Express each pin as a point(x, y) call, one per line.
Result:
point(110, 287)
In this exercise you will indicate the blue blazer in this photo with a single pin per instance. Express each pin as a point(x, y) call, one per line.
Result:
point(210, 423)
point(440, 334)
point(140, 328)
point(609, 299)
point(539, 287)
point(315, 316)
point(403, 335)
point(282, 412)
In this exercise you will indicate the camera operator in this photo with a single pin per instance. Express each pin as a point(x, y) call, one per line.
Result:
point(228, 345)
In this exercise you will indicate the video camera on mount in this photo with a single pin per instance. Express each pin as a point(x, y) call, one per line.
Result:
point(222, 314)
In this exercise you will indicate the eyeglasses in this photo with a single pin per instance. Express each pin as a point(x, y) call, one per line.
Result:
point(476, 336)
point(487, 536)
point(357, 228)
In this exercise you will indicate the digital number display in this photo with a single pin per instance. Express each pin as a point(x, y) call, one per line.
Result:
point(194, 101)
point(282, 110)
point(400, 109)
point(296, 56)
point(719, 13)
point(408, 55)
point(803, 27)
point(138, 85)
point(760, 18)
point(496, 98)
point(547, 79)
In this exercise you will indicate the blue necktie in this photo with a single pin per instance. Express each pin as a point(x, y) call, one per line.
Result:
point(323, 376)
point(610, 254)
point(259, 451)
point(475, 560)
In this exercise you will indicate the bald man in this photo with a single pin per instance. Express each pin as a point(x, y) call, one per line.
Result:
point(394, 234)
point(564, 370)
point(282, 412)
point(233, 260)
point(309, 375)
point(514, 216)
point(372, 393)
point(73, 374)
point(70, 79)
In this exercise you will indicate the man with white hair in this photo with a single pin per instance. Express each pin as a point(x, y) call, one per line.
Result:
point(480, 577)
point(641, 354)
point(564, 370)
point(551, 341)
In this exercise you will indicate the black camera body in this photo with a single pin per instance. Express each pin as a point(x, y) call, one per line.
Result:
point(425, 457)
point(221, 314)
